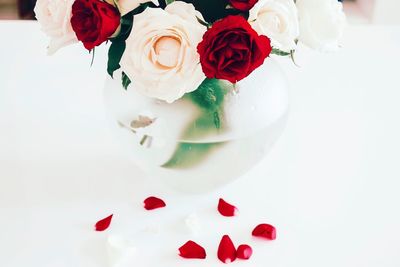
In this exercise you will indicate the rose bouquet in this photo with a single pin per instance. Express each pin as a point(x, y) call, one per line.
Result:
point(173, 46)
point(167, 52)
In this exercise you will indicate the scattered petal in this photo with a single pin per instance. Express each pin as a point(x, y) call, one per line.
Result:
point(192, 250)
point(226, 250)
point(103, 224)
point(266, 231)
point(244, 252)
point(152, 203)
point(226, 209)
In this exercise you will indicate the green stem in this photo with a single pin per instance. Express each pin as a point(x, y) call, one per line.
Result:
point(209, 98)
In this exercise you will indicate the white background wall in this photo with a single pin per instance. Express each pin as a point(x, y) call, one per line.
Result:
point(373, 11)
point(386, 11)
point(358, 11)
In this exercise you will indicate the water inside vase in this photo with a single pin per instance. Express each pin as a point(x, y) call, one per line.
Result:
point(198, 166)
point(173, 143)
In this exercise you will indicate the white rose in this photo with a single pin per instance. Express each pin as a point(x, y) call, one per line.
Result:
point(278, 20)
point(54, 17)
point(161, 55)
point(126, 6)
point(321, 23)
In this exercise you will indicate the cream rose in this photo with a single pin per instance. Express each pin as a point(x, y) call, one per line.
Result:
point(321, 23)
point(54, 17)
point(278, 20)
point(161, 55)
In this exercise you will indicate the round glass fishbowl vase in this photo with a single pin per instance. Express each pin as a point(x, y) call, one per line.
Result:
point(195, 149)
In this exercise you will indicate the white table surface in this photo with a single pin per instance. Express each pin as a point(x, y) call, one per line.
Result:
point(330, 184)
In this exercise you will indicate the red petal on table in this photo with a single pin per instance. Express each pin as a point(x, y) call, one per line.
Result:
point(266, 231)
point(103, 224)
point(152, 203)
point(226, 250)
point(226, 209)
point(192, 250)
point(244, 252)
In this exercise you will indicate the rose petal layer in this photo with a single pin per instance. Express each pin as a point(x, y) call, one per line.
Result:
point(103, 224)
point(226, 209)
point(226, 250)
point(152, 203)
point(244, 252)
point(192, 250)
point(266, 231)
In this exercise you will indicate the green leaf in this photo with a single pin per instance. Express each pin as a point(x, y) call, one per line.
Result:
point(125, 81)
point(202, 22)
point(213, 10)
point(278, 52)
point(169, 1)
point(142, 7)
point(118, 44)
point(115, 53)
point(126, 26)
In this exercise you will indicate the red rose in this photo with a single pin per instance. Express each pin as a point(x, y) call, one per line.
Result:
point(94, 21)
point(243, 5)
point(231, 49)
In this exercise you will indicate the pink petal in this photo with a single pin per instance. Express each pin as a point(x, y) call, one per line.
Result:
point(152, 203)
point(103, 224)
point(244, 252)
point(226, 250)
point(226, 209)
point(192, 250)
point(266, 231)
